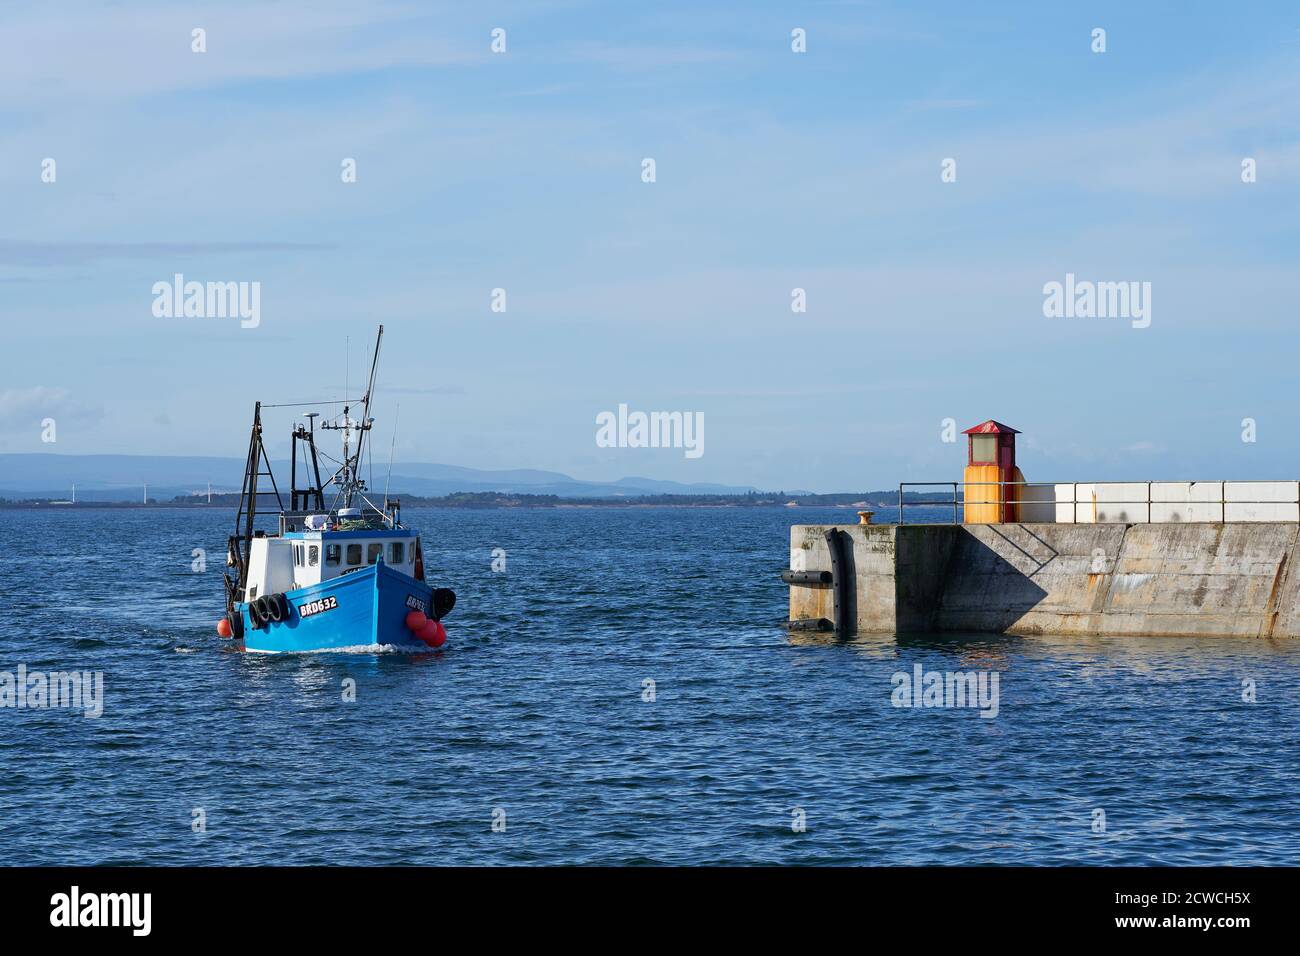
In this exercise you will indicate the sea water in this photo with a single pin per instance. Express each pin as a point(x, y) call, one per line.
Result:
point(617, 687)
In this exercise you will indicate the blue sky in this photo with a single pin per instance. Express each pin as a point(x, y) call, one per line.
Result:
point(775, 170)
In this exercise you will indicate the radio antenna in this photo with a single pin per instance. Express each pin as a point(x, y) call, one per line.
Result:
point(393, 447)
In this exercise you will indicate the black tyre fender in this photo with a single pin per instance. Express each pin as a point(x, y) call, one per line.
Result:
point(444, 599)
point(276, 607)
point(263, 605)
point(236, 625)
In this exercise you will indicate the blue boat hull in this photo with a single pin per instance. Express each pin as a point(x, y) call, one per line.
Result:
point(358, 610)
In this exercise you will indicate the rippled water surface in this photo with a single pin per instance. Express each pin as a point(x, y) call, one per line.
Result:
point(534, 712)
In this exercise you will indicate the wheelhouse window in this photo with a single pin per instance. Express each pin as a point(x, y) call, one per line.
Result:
point(395, 553)
point(313, 555)
point(373, 551)
point(354, 555)
point(333, 554)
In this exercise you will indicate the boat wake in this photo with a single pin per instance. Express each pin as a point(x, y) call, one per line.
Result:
point(357, 649)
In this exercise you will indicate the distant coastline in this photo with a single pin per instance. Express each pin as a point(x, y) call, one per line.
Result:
point(492, 500)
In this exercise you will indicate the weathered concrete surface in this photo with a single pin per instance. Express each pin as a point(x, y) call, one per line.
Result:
point(871, 560)
point(1086, 579)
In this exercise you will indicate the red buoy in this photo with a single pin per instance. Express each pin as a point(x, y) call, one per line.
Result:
point(223, 627)
point(434, 634)
point(429, 633)
point(416, 620)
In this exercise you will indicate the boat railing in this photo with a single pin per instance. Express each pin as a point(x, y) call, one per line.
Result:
point(370, 520)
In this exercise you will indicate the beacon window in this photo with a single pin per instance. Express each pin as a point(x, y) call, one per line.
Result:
point(333, 554)
point(313, 556)
point(395, 553)
point(354, 554)
point(984, 449)
point(373, 551)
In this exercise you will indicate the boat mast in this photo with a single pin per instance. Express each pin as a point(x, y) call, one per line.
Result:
point(347, 459)
point(349, 476)
point(366, 420)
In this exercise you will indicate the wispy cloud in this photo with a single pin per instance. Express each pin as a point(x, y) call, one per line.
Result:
point(649, 56)
point(945, 104)
point(40, 253)
point(75, 51)
point(24, 409)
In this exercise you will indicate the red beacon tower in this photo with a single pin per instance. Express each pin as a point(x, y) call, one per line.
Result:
point(991, 474)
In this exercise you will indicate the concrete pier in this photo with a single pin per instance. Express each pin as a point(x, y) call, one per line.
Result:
point(1209, 579)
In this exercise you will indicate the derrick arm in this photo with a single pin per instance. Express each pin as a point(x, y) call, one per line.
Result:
point(238, 544)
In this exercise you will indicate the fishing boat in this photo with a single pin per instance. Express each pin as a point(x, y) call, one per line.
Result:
point(342, 575)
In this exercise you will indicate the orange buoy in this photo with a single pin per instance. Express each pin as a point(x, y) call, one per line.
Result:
point(441, 639)
point(223, 627)
point(416, 620)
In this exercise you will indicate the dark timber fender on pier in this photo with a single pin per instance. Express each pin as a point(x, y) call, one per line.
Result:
point(1210, 579)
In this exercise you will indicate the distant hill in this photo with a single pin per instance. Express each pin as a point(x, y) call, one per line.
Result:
point(122, 478)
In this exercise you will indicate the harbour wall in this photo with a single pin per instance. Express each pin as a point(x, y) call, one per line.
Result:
point(1202, 578)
